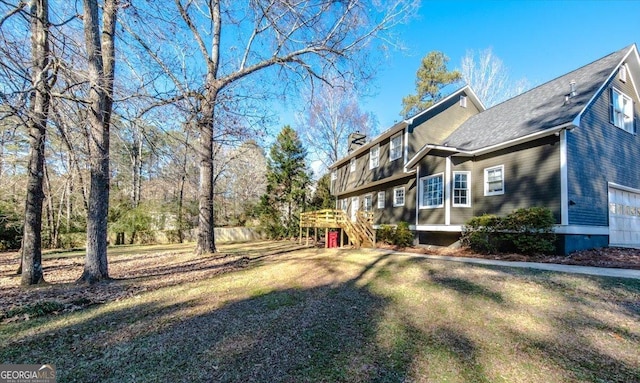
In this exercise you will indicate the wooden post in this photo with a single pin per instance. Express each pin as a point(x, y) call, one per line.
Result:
point(341, 237)
point(300, 236)
point(307, 236)
point(315, 234)
point(326, 237)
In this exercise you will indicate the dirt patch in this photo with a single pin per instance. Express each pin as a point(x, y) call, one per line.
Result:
point(615, 257)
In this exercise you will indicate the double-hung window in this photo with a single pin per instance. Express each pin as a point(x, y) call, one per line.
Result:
point(343, 204)
point(494, 180)
point(381, 198)
point(398, 196)
point(432, 191)
point(461, 189)
point(374, 157)
point(622, 111)
point(395, 147)
point(368, 202)
point(352, 165)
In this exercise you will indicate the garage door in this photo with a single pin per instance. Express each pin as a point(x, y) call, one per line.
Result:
point(624, 217)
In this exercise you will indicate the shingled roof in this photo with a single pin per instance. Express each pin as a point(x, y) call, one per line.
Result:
point(536, 110)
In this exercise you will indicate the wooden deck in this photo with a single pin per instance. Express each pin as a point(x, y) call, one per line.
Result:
point(360, 231)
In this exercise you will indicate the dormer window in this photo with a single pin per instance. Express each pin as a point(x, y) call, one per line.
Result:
point(622, 73)
point(463, 101)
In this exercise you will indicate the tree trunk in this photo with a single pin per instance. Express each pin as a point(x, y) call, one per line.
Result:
point(48, 196)
point(101, 71)
point(206, 234)
point(183, 180)
point(39, 107)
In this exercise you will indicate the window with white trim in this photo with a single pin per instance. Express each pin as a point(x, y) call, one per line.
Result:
point(494, 180)
point(352, 165)
point(461, 189)
point(432, 191)
point(374, 157)
point(334, 175)
point(395, 147)
point(381, 198)
point(398, 196)
point(368, 202)
point(622, 111)
point(343, 205)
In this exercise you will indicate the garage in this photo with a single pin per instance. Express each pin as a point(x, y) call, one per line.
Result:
point(624, 216)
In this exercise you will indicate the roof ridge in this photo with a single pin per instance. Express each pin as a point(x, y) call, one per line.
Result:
point(563, 75)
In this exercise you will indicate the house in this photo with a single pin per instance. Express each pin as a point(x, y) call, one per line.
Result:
point(570, 144)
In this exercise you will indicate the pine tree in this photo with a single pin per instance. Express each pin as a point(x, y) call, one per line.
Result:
point(322, 198)
point(431, 77)
point(287, 182)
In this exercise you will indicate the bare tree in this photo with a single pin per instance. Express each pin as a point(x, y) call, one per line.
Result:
point(41, 81)
point(100, 46)
point(331, 113)
point(235, 41)
point(489, 77)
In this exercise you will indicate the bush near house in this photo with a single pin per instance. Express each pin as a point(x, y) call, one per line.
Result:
point(526, 231)
point(399, 235)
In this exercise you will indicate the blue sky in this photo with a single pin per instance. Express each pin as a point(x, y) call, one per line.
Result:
point(538, 40)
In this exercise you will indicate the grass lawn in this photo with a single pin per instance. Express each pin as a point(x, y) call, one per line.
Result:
point(276, 312)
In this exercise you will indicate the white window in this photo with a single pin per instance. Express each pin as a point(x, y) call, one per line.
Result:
point(461, 189)
point(334, 176)
point(395, 147)
point(381, 198)
point(432, 191)
point(368, 202)
point(494, 180)
point(352, 165)
point(398, 196)
point(374, 157)
point(622, 111)
point(343, 205)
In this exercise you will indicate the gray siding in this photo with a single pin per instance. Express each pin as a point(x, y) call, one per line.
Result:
point(347, 180)
point(598, 152)
point(432, 128)
point(531, 177)
point(390, 214)
point(438, 124)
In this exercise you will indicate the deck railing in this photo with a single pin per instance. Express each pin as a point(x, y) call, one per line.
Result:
point(359, 230)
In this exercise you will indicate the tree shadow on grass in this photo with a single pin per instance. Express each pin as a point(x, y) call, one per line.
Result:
point(319, 334)
point(326, 333)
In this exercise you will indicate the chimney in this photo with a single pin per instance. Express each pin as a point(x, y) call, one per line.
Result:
point(356, 140)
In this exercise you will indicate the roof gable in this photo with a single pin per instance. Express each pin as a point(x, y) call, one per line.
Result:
point(417, 119)
point(538, 109)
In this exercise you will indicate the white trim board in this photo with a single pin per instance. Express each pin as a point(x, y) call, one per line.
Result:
point(559, 229)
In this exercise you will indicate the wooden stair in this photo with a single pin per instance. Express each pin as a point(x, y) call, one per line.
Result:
point(360, 231)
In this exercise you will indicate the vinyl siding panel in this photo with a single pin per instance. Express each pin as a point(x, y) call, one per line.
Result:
point(531, 178)
point(390, 214)
point(347, 180)
point(598, 152)
point(438, 124)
